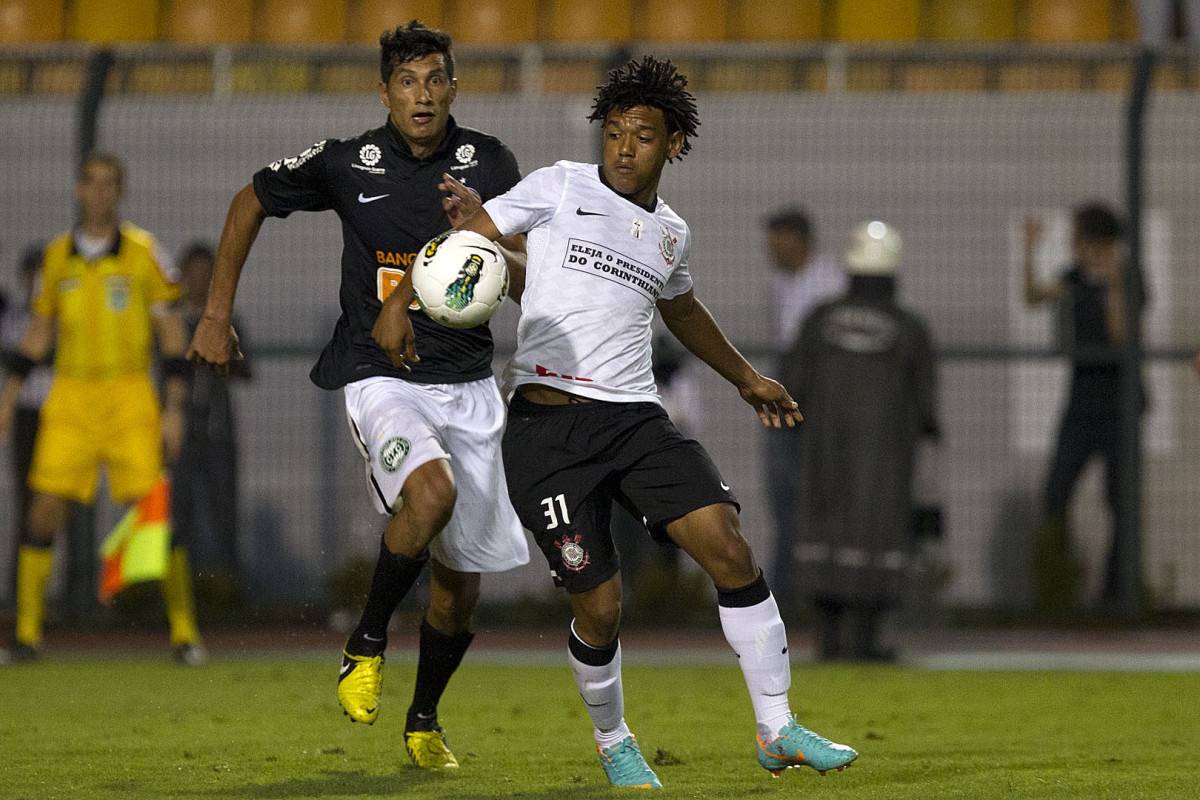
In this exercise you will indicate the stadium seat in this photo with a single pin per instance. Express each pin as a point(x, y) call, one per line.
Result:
point(1069, 21)
point(759, 75)
point(770, 20)
point(974, 20)
point(593, 21)
point(1040, 77)
point(30, 21)
point(877, 20)
point(680, 20)
point(209, 21)
point(159, 78)
point(945, 78)
point(301, 21)
point(492, 21)
point(112, 20)
point(369, 18)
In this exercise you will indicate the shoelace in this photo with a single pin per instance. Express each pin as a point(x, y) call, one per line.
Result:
point(630, 767)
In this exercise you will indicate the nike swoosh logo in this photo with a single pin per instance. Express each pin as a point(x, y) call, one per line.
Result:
point(346, 668)
point(364, 199)
point(723, 486)
point(371, 638)
point(583, 213)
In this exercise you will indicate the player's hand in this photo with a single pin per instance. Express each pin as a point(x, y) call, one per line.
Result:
point(393, 332)
point(1033, 231)
point(462, 202)
point(774, 405)
point(172, 434)
point(214, 345)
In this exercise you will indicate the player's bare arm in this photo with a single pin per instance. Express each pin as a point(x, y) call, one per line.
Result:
point(172, 344)
point(1036, 292)
point(393, 330)
point(693, 325)
point(463, 204)
point(32, 349)
point(215, 342)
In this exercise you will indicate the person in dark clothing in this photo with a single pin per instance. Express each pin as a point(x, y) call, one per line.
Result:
point(1090, 294)
point(204, 504)
point(863, 369)
point(428, 426)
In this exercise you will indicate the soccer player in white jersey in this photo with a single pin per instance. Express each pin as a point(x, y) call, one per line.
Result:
point(586, 426)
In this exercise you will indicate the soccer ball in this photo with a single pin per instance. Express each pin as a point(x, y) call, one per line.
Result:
point(460, 279)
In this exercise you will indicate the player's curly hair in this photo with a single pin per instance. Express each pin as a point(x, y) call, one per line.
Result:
point(650, 82)
point(410, 42)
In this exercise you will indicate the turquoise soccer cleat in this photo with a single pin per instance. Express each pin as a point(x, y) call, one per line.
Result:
point(797, 746)
point(624, 765)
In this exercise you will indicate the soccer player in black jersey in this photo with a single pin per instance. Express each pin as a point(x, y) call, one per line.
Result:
point(428, 426)
point(586, 426)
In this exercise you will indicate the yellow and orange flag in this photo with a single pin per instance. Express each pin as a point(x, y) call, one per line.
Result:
point(138, 547)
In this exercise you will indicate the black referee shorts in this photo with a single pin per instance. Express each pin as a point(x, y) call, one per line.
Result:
point(566, 464)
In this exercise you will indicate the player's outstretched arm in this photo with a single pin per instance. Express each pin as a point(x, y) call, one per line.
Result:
point(215, 343)
point(462, 204)
point(692, 324)
point(393, 330)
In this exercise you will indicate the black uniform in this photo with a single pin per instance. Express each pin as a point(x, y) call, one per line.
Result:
point(390, 207)
point(1091, 421)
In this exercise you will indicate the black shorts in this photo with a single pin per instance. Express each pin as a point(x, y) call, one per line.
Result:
point(567, 464)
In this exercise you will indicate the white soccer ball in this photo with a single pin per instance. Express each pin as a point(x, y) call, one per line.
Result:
point(460, 278)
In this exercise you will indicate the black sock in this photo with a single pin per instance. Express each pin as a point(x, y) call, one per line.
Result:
point(395, 573)
point(441, 653)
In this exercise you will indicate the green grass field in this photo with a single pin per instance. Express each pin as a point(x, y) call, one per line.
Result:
point(134, 728)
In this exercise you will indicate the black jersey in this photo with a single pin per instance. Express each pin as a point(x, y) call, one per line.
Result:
point(390, 207)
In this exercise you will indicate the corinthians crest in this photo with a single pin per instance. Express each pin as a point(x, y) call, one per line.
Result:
point(574, 557)
point(667, 246)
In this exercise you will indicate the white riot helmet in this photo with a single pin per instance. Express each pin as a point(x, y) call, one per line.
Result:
point(874, 250)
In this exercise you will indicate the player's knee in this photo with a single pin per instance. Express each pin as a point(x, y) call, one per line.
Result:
point(429, 496)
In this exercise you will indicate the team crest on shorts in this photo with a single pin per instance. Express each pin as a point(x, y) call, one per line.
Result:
point(393, 453)
point(574, 557)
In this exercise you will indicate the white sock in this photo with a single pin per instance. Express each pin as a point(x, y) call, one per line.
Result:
point(600, 688)
point(757, 635)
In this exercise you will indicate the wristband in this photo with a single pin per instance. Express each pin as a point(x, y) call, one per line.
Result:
point(176, 368)
point(19, 365)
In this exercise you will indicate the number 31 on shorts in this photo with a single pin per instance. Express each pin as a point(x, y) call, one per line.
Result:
point(553, 514)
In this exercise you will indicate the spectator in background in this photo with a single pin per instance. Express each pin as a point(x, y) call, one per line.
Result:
point(205, 491)
point(1091, 297)
point(800, 281)
point(863, 371)
point(13, 323)
point(104, 295)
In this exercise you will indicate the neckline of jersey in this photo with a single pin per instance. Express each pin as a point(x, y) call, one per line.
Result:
point(114, 246)
point(404, 151)
point(650, 208)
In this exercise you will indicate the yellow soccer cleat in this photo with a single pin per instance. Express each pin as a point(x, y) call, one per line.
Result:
point(359, 683)
point(428, 749)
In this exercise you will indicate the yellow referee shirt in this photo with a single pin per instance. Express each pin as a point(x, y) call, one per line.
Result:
point(103, 308)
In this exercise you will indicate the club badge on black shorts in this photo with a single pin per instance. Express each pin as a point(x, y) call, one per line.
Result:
point(574, 557)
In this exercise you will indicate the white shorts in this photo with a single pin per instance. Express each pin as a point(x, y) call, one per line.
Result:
point(399, 425)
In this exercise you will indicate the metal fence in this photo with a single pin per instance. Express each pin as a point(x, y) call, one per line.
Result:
point(953, 147)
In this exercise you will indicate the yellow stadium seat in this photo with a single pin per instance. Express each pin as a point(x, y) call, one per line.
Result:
point(974, 20)
point(113, 20)
point(369, 18)
point(158, 78)
point(592, 21)
point(492, 21)
point(56, 77)
point(30, 21)
point(766, 75)
point(680, 20)
point(209, 21)
point(348, 78)
point(1069, 20)
point(301, 21)
point(771, 20)
point(877, 20)
point(1041, 77)
point(580, 76)
point(945, 78)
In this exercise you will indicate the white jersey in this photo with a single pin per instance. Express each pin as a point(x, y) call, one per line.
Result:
point(597, 264)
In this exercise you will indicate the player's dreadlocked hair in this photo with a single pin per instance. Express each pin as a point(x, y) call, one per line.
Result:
point(410, 42)
point(650, 82)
